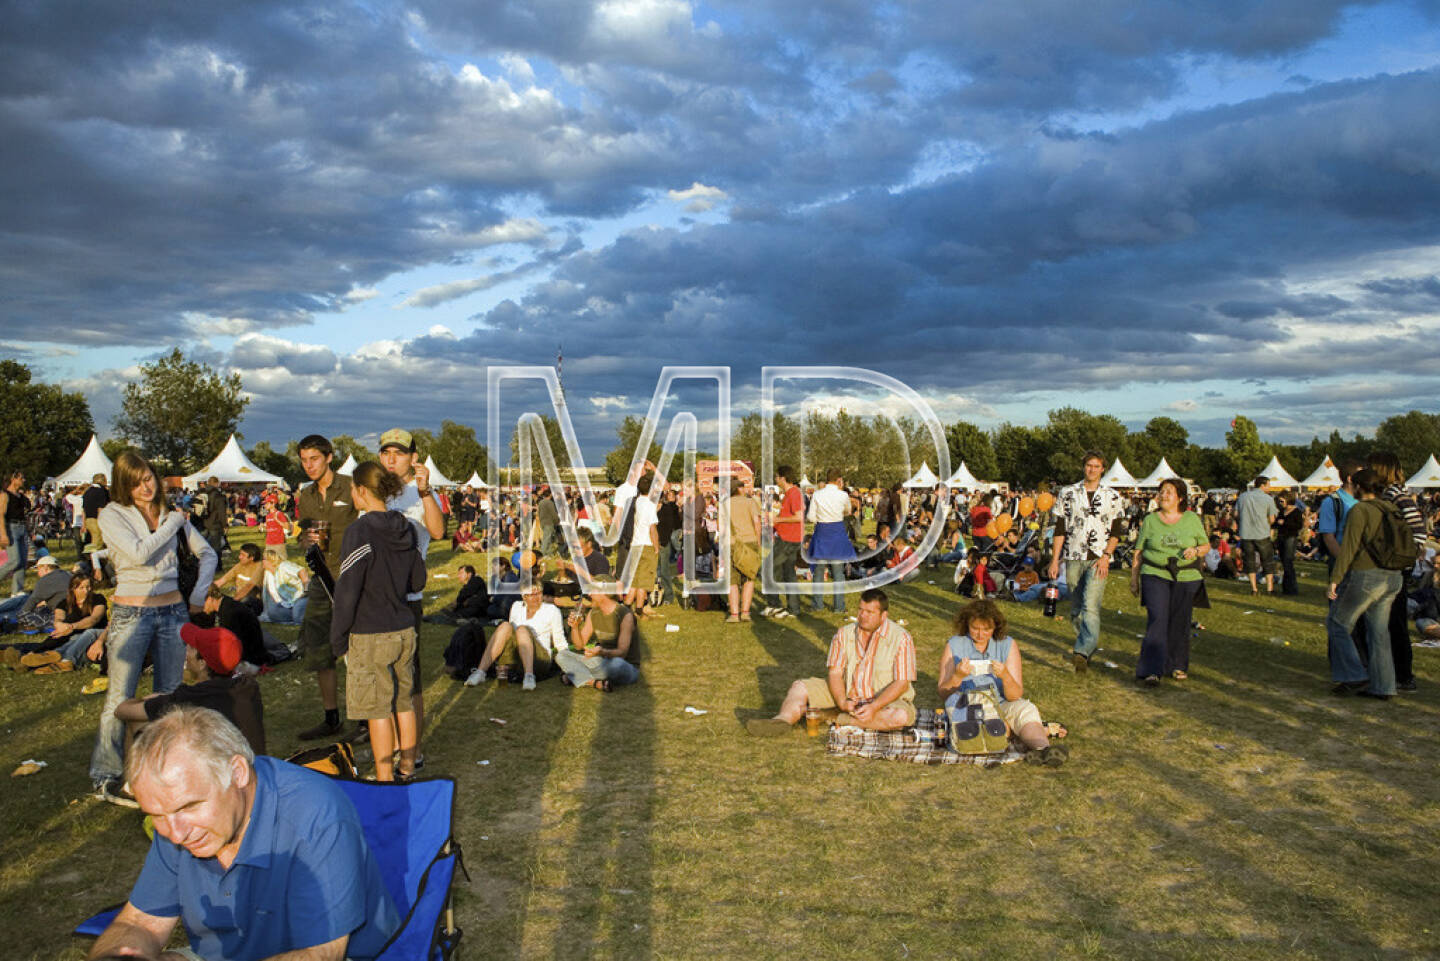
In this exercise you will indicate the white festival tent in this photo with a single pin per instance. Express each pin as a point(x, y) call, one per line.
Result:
point(962, 479)
point(1162, 470)
point(924, 477)
point(1118, 476)
point(475, 480)
point(1427, 476)
point(92, 462)
point(231, 466)
point(348, 468)
point(1277, 476)
point(805, 483)
point(1326, 475)
point(437, 479)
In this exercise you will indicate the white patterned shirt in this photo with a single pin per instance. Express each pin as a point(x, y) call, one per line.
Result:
point(1089, 520)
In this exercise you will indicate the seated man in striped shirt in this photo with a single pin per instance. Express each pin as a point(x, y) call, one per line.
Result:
point(870, 678)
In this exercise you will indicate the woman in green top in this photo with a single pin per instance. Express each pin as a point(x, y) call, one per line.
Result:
point(1165, 575)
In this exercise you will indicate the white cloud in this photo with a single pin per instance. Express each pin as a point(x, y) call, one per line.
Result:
point(442, 293)
point(518, 68)
point(358, 295)
point(698, 197)
point(1183, 406)
point(256, 352)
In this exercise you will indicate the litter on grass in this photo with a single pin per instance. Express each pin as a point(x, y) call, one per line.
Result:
point(498, 720)
point(29, 766)
point(672, 628)
point(694, 710)
point(483, 763)
point(1112, 665)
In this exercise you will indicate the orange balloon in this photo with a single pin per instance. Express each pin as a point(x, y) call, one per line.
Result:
point(1027, 506)
point(527, 560)
point(991, 531)
point(1002, 523)
point(1045, 501)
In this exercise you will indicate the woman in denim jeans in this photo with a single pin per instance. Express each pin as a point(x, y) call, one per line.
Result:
point(14, 535)
point(141, 534)
point(1361, 588)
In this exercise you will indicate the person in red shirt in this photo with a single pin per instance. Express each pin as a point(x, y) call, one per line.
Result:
point(980, 518)
point(789, 531)
point(277, 528)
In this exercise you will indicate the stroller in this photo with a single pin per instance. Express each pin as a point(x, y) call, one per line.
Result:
point(998, 568)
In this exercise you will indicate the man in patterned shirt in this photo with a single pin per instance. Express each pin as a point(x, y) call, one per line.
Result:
point(870, 678)
point(1089, 520)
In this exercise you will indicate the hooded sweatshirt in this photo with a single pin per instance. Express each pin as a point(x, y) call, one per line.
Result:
point(379, 565)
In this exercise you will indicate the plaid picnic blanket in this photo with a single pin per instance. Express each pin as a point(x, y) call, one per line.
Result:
point(922, 744)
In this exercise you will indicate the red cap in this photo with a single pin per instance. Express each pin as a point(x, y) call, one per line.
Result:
point(217, 647)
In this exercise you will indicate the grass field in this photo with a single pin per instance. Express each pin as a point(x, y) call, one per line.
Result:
point(1245, 814)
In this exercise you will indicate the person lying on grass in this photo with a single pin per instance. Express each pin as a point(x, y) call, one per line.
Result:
point(870, 679)
point(981, 655)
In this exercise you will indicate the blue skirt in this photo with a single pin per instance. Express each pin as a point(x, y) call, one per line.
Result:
point(829, 542)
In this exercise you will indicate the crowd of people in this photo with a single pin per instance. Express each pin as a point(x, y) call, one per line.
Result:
point(150, 588)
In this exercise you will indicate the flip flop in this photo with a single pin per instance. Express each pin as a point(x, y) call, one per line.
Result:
point(1056, 729)
point(603, 685)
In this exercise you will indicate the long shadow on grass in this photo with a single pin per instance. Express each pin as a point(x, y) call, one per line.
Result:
point(609, 883)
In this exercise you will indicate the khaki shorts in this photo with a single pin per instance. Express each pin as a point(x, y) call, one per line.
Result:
point(377, 670)
point(97, 540)
point(817, 694)
point(1019, 713)
point(509, 655)
point(644, 570)
point(315, 650)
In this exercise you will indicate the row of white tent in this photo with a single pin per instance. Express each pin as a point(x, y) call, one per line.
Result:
point(1326, 475)
point(232, 466)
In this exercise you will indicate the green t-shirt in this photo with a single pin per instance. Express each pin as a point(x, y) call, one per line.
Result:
point(607, 631)
point(1160, 541)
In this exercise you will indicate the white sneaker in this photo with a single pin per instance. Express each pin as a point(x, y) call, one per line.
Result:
point(476, 676)
point(529, 683)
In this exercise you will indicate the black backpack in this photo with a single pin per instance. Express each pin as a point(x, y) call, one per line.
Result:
point(1394, 548)
point(462, 654)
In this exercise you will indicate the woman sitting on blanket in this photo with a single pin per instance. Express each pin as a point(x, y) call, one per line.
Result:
point(981, 655)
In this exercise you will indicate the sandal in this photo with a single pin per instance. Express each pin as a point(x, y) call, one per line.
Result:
point(1179, 675)
point(1055, 729)
point(603, 685)
point(745, 617)
point(732, 619)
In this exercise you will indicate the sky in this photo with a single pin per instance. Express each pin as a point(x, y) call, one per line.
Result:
point(1144, 208)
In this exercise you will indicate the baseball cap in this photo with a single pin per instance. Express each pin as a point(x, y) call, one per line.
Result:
point(218, 648)
point(397, 437)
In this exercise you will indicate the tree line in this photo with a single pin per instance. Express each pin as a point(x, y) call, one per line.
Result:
point(181, 411)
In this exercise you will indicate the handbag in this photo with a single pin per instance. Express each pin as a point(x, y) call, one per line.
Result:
point(745, 558)
point(976, 726)
point(187, 565)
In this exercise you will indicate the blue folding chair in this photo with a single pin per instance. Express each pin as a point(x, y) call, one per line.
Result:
point(410, 831)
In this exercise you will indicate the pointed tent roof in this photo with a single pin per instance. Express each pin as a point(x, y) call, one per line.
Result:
point(437, 479)
point(1277, 476)
point(924, 477)
point(475, 480)
point(1162, 470)
point(1326, 475)
point(1118, 476)
point(962, 479)
point(92, 462)
point(1427, 476)
point(348, 468)
point(233, 467)
point(805, 483)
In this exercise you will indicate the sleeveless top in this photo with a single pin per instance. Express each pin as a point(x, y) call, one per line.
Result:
point(607, 631)
point(962, 647)
point(15, 508)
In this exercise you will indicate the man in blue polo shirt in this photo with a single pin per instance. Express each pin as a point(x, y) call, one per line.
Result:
point(258, 858)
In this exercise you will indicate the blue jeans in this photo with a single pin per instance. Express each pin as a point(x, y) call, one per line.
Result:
point(13, 603)
point(19, 551)
point(837, 574)
point(73, 648)
point(280, 614)
point(1087, 593)
point(581, 670)
point(1366, 594)
point(134, 632)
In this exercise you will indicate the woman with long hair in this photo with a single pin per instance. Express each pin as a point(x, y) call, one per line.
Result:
point(143, 537)
point(373, 626)
point(1387, 466)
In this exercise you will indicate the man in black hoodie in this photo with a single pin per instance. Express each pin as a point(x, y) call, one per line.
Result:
point(372, 626)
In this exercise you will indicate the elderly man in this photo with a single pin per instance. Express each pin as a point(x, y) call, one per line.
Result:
point(259, 858)
point(871, 675)
point(529, 639)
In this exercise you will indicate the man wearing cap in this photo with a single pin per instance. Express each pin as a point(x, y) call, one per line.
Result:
point(51, 585)
point(211, 655)
point(328, 498)
point(398, 456)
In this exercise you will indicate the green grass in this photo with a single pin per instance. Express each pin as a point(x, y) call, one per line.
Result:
point(1245, 814)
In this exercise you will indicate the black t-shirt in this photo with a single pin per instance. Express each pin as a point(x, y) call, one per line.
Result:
point(670, 521)
point(239, 620)
point(94, 498)
point(91, 602)
point(238, 698)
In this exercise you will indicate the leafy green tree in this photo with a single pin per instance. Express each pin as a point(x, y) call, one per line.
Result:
point(347, 446)
point(552, 434)
point(1246, 453)
point(181, 412)
point(457, 452)
point(113, 446)
point(1070, 432)
point(1413, 437)
point(268, 459)
point(1021, 455)
point(617, 461)
point(971, 445)
point(43, 428)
